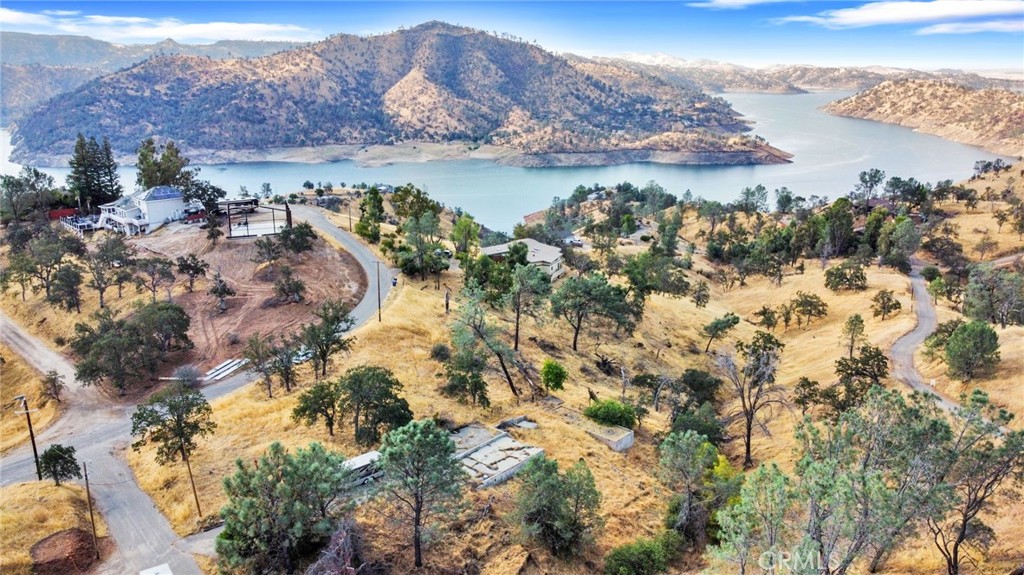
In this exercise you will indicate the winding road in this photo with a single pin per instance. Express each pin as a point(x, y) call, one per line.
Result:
point(903, 349)
point(100, 430)
point(902, 352)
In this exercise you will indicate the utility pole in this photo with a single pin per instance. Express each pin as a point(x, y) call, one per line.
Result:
point(378, 292)
point(31, 434)
point(92, 518)
point(350, 215)
point(193, 481)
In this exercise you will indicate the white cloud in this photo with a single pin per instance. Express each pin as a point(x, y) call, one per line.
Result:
point(974, 27)
point(911, 12)
point(733, 4)
point(12, 18)
point(135, 29)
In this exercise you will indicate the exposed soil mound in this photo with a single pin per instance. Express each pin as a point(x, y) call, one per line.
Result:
point(67, 551)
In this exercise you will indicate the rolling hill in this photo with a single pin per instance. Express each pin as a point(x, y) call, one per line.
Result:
point(431, 83)
point(991, 119)
point(37, 67)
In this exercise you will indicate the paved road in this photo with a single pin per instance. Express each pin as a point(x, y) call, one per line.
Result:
point(366, 309)
point(903, 349)
point(99, 431)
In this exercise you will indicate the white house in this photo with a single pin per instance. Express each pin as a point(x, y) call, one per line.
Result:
point(547, 258)
point(143, 211)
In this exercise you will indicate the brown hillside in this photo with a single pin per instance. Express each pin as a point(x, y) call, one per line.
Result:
point(431, 83)
point(991, 119)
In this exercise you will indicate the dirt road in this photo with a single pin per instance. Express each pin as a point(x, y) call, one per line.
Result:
point(99, 431)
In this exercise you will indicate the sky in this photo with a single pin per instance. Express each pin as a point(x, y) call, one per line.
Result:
point(922, 34)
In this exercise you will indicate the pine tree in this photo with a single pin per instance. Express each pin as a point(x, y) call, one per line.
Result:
point(93, 179)
point(109, 183)
point(422, 479)
point(279, 506)
point(83, 181)
point(558, 509)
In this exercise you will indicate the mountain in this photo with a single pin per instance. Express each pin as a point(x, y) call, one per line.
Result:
point(720, 77)
point(706, 75)
point(991, 119)
point(21, 49)
point(22, 87)
point(37, 67)
point(431, 83)
point(854, 78)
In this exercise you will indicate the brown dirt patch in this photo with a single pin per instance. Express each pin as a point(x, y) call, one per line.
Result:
point(327, 272)
point(67, 551)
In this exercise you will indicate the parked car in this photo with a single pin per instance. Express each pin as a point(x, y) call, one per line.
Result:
point(573, 241)
point(302, 355)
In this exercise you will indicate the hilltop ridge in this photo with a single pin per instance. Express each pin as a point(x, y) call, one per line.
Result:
point(432, 83)
point(991, 119)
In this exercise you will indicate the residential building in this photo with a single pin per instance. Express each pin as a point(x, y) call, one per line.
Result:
point(143, 211)
point(543, 256)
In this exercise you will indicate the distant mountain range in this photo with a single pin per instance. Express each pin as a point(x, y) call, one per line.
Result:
point(991, 119)
point(431, 83)
point(37, 67)
point(719, 77)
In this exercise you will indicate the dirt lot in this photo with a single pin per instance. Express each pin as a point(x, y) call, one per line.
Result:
point(326, 272)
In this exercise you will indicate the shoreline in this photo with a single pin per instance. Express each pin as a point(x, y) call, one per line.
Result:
point(379, 155)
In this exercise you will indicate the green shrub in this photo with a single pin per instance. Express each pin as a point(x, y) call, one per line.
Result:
point(611, 412)
point(643, 556)
point(929, 273)
point(553, 375)
point(702, 421)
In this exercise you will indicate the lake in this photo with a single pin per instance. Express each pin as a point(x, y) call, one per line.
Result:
point(828, 154)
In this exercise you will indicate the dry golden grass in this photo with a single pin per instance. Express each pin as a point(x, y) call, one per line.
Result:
point(634, 499)
point(1005, 387)
point(981, 222)
point(17, 378)
point(207, 565)
point(812, 351)
point(33, 511)
point(667, 341)
point(48, 322)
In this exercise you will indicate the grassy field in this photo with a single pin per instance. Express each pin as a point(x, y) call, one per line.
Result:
point(48, 322)
point(33, 511)
point(17, 378)
point(668, 341)
point(1005, 387)
point(634, 498)
point(980, 222)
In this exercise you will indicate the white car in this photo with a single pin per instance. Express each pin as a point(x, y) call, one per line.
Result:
point(573, 241)
point(302, 355)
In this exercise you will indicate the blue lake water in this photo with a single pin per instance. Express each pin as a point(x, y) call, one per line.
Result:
point(829, 152)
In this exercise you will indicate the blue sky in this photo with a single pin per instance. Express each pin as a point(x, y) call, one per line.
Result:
point(926, 34)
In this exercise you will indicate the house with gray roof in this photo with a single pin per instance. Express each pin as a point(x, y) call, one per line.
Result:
point(543, 256)
point(143, 211)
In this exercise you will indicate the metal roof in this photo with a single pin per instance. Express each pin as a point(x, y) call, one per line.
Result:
point(537, 252)
point(362, 460)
